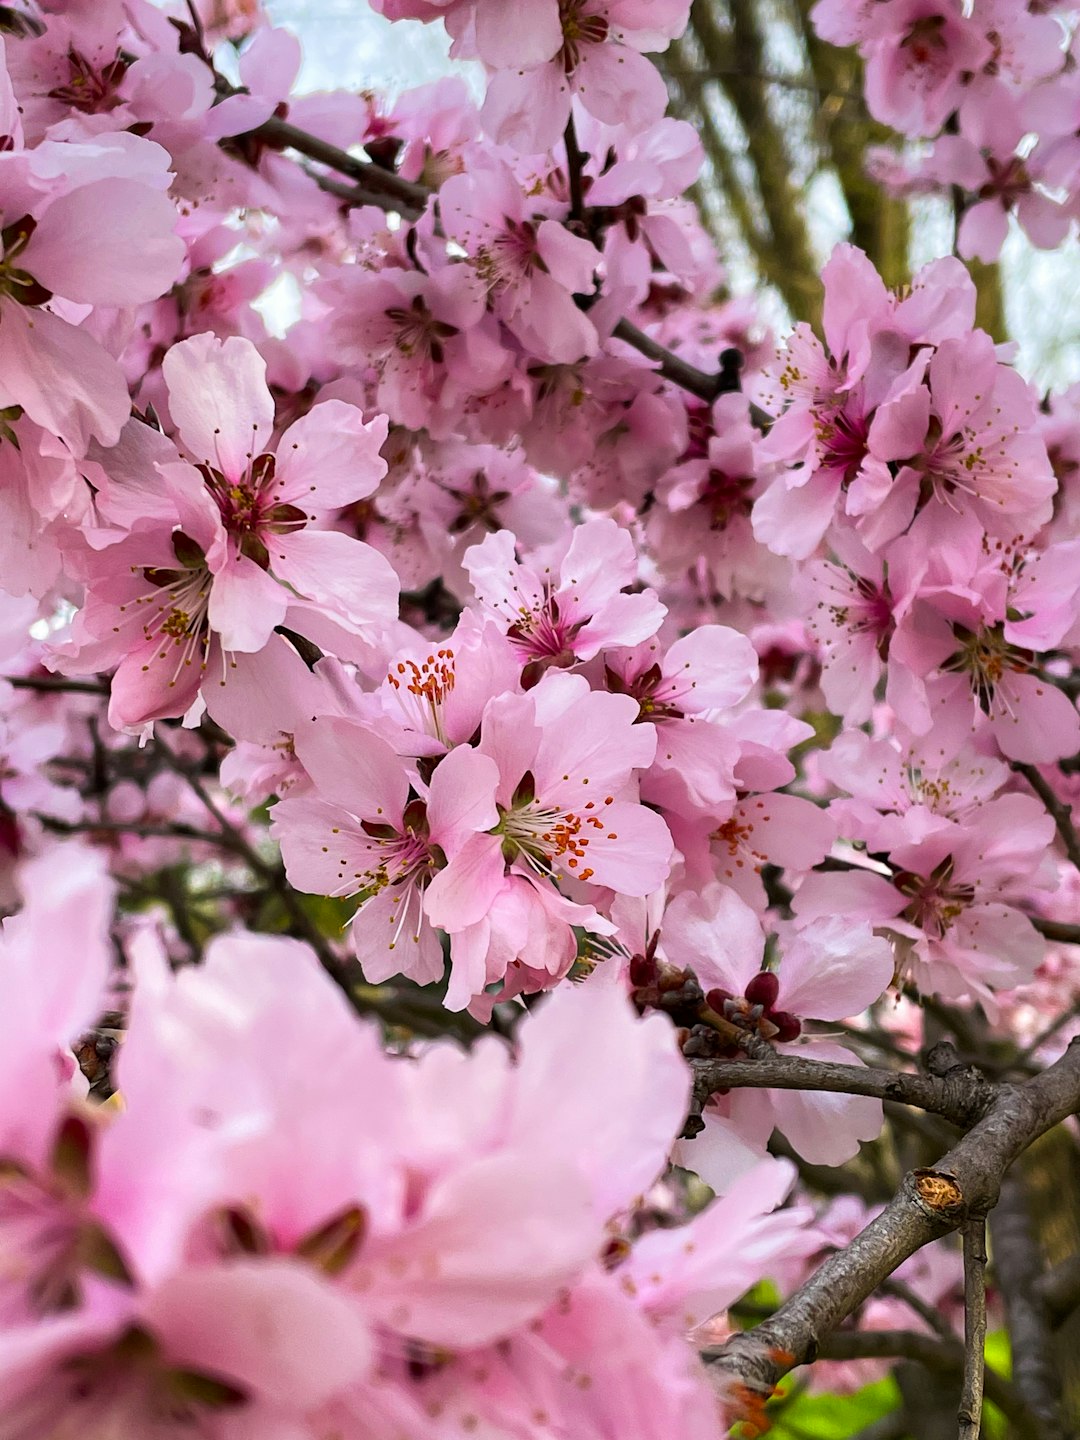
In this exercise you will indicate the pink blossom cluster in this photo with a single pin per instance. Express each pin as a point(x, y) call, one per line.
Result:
point(245, 1247)
point(981, 82)
point(461, 625)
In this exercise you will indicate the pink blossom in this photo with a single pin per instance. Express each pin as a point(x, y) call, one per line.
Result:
point(366, 838)
point(530, 266)
point(574, 616)
point(588, 49)
point(830, 969)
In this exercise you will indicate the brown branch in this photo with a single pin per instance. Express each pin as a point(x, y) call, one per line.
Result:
point(928, 1204)
point(1018, 1264)
point(60, 684)
point(960, 1095)
point(172, 830)
point(1061, 812)
point(1058, 930)
point(575, 165)
point(935, 1354)
point(411, 198)
point(969, 1414)
point(1059, 1290)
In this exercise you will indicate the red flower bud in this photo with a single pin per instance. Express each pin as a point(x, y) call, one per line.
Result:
point(642, 970)
point(763, 989)
point(788, 1026)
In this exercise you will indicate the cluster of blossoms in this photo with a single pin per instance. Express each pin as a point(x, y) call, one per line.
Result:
point(993, 86)
point(246, 1247)
point(726, 719)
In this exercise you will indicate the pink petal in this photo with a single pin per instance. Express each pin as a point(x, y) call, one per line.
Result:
point(495, 1243)
point(61, 377)
point(354, 768)
point(272, 1324)
point(463, 893)
point(462, 797)
point(826, 1129)
point(107, 243)
point(717, 935)
point(509, 37)
point(329, 457)
point(353, 580)
point(219, 401)
point(833, 969)
point(245, 605)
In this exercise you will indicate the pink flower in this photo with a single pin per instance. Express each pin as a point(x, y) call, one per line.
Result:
point(366, 838)
point(914, 70)
point(590, 49)
point(570, 603)
point(711, 669)
point(851, 617)
point(531, 266)
point(265, 501)
point(427, 336)
point(831, 969)
point(948, 899)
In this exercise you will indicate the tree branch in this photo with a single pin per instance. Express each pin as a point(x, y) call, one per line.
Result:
point(49, 684)
point(1058, 930)
point(935, 1354)
point(411, 198)
point(961, 1095)
point(379, 186)
point(1018, 1264)
point(929, 1204)
point(1061, 812)
point(971, 1393)
point(1059, 1290)
point(575, 164)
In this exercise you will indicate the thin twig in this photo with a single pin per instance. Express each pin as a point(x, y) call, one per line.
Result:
point(969, 1414)
point(1058, 930)
point(58, 683)
point(1061, 812)
point(239, 843)
point(930, 1317)
point(937, 1355)
point(412, 197)
point(171, 830)
point(1058, 1023)
point(575, 165)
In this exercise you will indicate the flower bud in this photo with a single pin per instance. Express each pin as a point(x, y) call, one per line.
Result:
point(763, 989)
point(788, 1026)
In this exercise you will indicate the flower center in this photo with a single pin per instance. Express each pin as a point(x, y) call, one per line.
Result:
point(935, 901)
point(541, 834)
point(986, 657)
point(579, 30)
